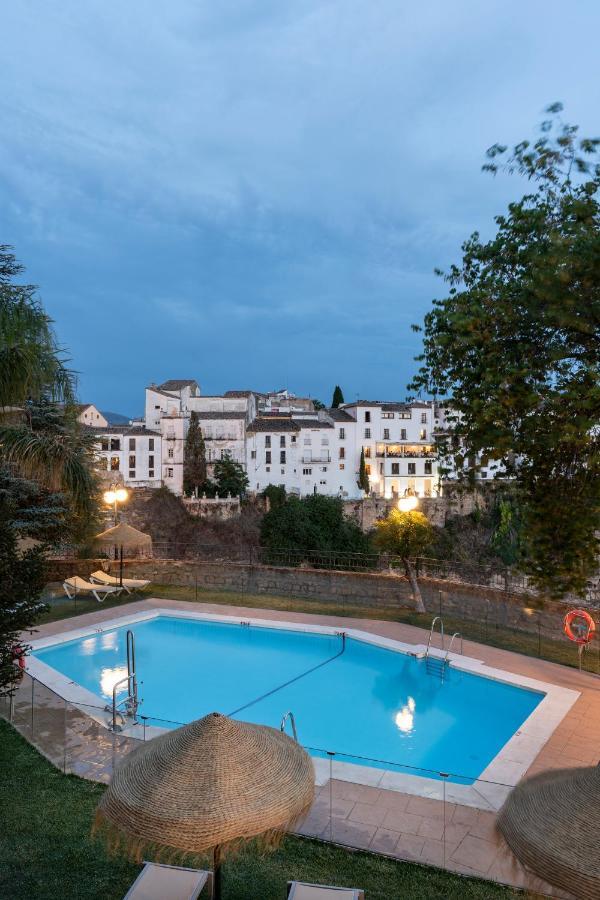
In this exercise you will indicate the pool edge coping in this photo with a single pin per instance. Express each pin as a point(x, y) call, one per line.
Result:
point(488, 791)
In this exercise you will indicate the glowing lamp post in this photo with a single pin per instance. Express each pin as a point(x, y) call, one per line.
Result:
point(113, 497)
point(408, 503)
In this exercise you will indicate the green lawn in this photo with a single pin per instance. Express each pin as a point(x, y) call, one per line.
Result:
point(46, 851)
point(560, 650)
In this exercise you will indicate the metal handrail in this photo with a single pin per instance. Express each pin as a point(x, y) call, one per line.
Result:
point(130, 657)
point(441, 621)
point(289, 715)
point(130, 700)
point(455, 635)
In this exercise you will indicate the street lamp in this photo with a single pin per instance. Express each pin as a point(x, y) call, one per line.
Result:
point(113, 497)
point(408, 503)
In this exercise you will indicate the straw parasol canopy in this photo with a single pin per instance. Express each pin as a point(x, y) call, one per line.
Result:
point(125, 536)
point(551, 822)
point(206, 787)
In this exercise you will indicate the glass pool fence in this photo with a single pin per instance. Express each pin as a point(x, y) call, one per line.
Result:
point(447, 821)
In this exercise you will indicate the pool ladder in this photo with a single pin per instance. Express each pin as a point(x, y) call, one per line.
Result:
point(126, 709)
point(289, 715)
point(436, 665)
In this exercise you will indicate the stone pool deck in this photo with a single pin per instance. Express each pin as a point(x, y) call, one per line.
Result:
point(450, 835)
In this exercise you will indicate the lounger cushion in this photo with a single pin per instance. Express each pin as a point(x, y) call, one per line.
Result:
point(106, 578)
point(300, 891)
point(80, 584)
point(156, 882)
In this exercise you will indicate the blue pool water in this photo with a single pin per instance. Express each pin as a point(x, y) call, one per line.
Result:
point(370, 705)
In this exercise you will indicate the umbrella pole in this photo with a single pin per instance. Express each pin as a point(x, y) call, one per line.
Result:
point(217, 873)
point(121, 567)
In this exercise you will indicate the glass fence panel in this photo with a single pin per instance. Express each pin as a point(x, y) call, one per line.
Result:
point(48, 723)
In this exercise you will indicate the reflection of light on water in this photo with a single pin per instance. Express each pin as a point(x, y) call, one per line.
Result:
point(109, 677)
point(88, 647)
point(404, 719)
point(109, 641)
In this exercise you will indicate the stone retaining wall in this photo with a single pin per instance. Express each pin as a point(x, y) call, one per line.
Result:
point(377, 590)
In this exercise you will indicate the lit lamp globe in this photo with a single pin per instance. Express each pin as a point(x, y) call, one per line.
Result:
point(121, 495)
point(407, 504)
point(110, 497)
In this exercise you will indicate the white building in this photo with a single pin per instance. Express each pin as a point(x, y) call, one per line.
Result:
point(129, 454)
point(90, 415)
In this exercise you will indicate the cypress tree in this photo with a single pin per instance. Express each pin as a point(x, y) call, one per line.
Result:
point(194, 459)
point(338, 397)
point(363, 478)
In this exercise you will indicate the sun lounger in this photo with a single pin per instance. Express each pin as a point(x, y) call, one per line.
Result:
point(299, 890)
point(129, 584)
point(76, 585)
point(157, 882)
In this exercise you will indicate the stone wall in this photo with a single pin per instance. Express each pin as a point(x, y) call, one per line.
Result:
point(377, 590)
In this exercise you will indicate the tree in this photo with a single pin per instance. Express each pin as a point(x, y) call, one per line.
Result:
point(318, 404)
point(230, 478)
point(516, 345)
point(313, 524)
point(338, 397)
point(39, 434)
point(405, 534)
point(194, 458)
point(363, 476)
point(21, 584)
point(276, 494)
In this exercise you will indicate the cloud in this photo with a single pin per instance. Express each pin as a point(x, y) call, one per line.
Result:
point(269, 174)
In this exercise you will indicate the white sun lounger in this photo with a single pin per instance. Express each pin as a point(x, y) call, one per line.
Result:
point(129, 584)
point(157, 882)
point(76, 585)
point(300, 890)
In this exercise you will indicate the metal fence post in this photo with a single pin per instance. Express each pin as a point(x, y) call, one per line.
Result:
point(32, 690)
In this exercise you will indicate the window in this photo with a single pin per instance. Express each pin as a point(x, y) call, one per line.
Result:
point(367, 416)
point(368, 433)
point(395, 468)
point(115, 444)
point(368, 469)
point(387, 415)
point(283, 471)
point(324, 442)
point(103, 463)
point(169, 473)
point(307, 471)
point(282, 458)
point(267, 440)
point(405, 415)
point(324, 469)
point(157, 406)
point(104, 444)
point(132, 443)
point(428, 467)
point(307, 441)
point(342, 465)
point(267, 468)
point(170, 453)
point(367, 452)
point(282, 440)
point(293, 439)
point(381, 468)
point(253, 454)
point(412, 468)
point(342, 453)
point(132, 460)
point(386, 434)
point(151, 462)
point(150, 473)
point(114, 463)
point(423, 434)
point(403, 434)
point(268, 457)
point(132, 473)
point(342, 434)
point(423, 418)
point(322, 482)
point(151, 444)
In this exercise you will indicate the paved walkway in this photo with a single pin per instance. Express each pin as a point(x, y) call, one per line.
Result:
point(449, 835)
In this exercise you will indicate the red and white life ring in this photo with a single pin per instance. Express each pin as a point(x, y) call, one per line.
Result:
point(581, 636)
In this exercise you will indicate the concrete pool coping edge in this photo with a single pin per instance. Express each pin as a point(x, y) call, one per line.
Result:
point(488, 791)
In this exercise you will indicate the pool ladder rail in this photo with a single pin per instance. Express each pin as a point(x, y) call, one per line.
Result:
point(289, 715)
point(126, 709)
point(436, 665)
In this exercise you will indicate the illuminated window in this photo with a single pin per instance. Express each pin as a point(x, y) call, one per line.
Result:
point(114, 463)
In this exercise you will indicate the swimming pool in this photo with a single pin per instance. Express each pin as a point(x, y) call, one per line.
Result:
point(370, 704)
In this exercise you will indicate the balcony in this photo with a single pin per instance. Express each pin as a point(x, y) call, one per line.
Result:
point(405, 451)
point(323, 457)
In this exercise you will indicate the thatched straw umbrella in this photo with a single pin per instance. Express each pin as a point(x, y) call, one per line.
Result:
point(551, 822)
point(125, 536)
point(205, 788)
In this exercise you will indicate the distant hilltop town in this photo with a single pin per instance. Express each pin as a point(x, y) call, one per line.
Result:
point(279, 439)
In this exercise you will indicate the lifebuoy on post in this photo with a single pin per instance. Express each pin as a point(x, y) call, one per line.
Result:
point(583, 633)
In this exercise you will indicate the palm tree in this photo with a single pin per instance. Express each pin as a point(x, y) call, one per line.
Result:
point(40, 437)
